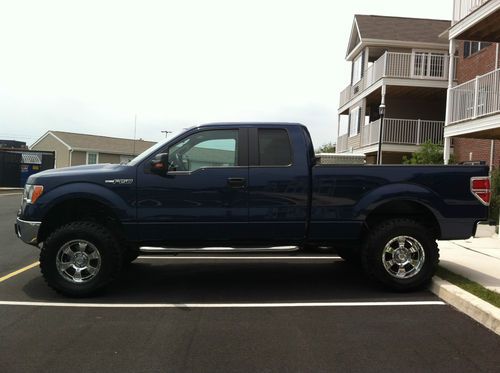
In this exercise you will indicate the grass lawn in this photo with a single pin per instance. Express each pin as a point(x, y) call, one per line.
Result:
point(470, 286)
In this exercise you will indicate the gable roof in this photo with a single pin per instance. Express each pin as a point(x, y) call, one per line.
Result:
point(398, 29)
point(102, 144)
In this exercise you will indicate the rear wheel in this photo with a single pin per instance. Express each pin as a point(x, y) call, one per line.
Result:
point(400, 253)
point(80, 258)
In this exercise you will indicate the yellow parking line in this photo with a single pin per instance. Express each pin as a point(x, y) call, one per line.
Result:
point(21, 270)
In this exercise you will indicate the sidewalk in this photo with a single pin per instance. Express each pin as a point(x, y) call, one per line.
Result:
point(477, 259)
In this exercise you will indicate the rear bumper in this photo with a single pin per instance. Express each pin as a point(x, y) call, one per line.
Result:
point(27, 230)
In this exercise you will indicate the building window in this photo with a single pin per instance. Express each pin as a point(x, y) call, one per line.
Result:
point(354, 121)
point(92, 158)
point(357, 69)
point(472, 47)
point(344, 125)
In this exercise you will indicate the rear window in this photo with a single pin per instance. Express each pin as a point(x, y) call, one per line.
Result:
point(274, 148)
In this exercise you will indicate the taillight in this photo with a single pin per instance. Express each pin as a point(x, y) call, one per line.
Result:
point(481, 188)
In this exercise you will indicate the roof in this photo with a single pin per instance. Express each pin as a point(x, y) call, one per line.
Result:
point(103, 144)
point(420, 30)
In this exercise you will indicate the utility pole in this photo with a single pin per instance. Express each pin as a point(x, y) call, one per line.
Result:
point(135, 132)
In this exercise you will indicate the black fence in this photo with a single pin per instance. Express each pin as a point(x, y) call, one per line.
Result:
point(17, 165)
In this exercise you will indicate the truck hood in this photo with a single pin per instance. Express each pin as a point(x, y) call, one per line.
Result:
point(78, 173)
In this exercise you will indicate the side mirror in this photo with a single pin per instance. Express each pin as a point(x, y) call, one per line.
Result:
point(159, 164)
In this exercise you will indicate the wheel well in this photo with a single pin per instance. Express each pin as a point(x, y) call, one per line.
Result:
point(407, 209)
point(78, 209)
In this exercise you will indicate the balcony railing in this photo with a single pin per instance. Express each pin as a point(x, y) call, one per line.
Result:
point(342, 143)
point(403, 131)
point(462, 8)
point(433, 66)
point(475, 98)
point(398, 131)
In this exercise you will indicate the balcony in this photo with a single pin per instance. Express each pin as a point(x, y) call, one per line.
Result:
point(398, 132)
point(476, 98)
point(462, 8)
point(429, 66)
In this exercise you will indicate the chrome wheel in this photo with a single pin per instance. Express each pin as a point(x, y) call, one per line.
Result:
point(78, 261)
point(403, 257)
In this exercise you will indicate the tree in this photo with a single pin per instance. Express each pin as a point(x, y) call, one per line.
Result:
point(429, 154)
point(495, 195)
point(326, 148)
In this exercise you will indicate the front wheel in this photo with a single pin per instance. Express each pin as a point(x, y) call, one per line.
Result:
point(400, 253)
point(80, 258)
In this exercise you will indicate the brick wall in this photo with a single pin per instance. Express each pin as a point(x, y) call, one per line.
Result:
point(479, 148)
point(479, 63)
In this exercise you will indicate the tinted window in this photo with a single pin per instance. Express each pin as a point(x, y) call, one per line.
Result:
point(274, 148)
point(218, 148)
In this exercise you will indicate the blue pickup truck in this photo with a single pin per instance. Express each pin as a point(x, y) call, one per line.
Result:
point(246, 188)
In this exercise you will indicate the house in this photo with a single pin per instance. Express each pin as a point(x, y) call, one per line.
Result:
point(473, 105)
point(74, 149)
point(402, 66)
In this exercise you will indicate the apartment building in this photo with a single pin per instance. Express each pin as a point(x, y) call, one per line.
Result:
point(402, 64)
point(473, 106)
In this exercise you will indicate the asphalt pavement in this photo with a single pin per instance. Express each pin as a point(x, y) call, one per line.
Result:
point(217, 315)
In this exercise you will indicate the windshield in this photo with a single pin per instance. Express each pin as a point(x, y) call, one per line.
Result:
point(146, 153)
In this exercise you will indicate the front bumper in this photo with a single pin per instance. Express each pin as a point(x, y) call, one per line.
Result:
point(27, 230)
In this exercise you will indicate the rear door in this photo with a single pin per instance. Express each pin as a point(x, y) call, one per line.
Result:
point(278, 185)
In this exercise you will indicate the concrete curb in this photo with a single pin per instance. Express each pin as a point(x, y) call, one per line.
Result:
point(474, 307)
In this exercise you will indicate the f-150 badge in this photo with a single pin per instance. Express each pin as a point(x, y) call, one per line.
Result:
point(119, 181)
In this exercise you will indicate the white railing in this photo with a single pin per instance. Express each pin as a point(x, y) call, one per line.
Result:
point(342, 143)
point(417, 65)
point(370, 133)
point(475, 98)
point(403, 131)
point(462, 8)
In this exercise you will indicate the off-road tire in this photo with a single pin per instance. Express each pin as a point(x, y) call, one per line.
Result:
point(381, 234)
point(97, 235)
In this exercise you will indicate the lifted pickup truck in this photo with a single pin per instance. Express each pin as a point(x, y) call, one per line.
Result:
point(245, 188)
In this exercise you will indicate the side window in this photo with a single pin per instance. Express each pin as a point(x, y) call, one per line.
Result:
point(217, 148)
point(274, 148)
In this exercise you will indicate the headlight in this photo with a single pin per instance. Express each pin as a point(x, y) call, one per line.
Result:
point(32, 193)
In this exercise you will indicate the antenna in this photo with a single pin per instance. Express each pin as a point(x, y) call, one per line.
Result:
point(166, 132)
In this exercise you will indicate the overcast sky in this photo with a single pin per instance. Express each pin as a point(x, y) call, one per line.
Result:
point(90, 66)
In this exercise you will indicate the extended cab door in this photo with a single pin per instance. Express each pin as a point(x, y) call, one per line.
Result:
point(203, 198)
point(278, 184)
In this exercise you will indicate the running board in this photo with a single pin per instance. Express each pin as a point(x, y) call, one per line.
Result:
point(274, 249)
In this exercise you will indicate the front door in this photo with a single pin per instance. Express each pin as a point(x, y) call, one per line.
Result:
point(202, 199)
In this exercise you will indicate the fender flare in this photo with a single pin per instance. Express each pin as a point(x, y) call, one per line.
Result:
point(89, 191)
point(406, 192)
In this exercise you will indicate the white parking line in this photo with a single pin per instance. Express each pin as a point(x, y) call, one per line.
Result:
point(9, 194)
point(223, 305)
point(335, 258)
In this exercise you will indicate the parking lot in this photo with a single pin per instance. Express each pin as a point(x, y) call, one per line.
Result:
point(218, 315)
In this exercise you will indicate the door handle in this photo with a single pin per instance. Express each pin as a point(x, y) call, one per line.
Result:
point(236, 182)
